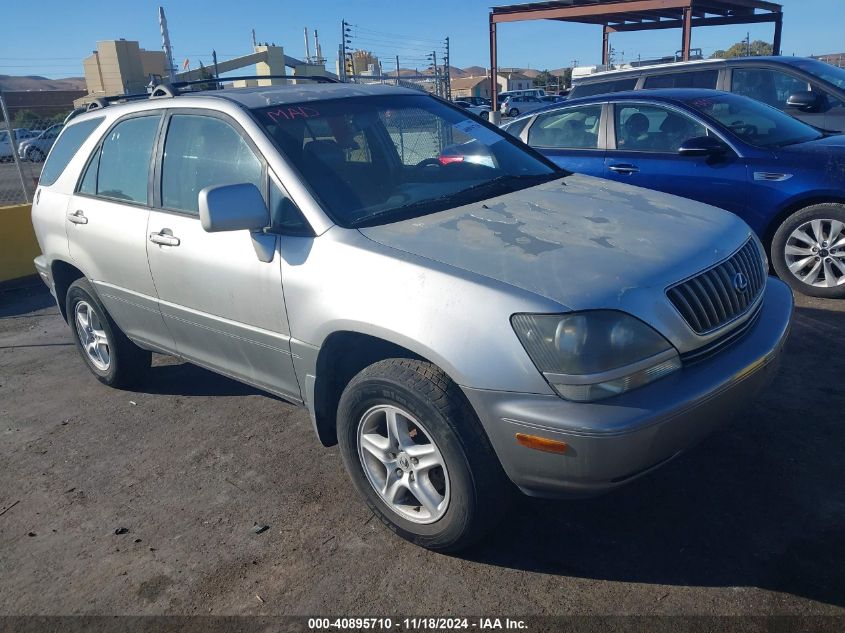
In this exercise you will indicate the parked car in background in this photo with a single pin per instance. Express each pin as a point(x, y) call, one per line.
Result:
point(552, 99)
point(807, 89)
point(6, 151)
point(476, 101)
point(35, 149)
point(513, 106)
point(479, 111)
point(784, 177)
point(5, 146)
point(528, 92)
point(460, 328)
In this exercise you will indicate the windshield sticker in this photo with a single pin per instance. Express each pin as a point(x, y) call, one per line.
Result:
point(478, 132)
point(289, 114)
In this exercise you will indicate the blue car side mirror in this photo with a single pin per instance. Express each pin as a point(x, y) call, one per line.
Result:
point(702, 146)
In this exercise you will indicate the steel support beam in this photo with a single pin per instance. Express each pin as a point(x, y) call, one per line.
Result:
point(696, 22)
point(565, 13)
point(605, 45)
point(778, 33)
point(686, 38)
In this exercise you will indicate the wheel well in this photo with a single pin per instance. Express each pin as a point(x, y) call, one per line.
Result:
point(789, 210)
point(63, 276)
point(341, 357)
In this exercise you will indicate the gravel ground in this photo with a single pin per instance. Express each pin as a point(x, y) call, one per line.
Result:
point(750, 522)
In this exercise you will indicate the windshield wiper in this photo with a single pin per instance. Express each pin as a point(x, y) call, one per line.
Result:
point(457, 197)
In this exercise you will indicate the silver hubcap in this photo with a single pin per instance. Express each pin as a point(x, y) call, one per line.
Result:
point(815, 253)
point(403, 464)
point(93, 337)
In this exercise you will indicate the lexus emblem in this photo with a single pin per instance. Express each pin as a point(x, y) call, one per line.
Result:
point(740, 282)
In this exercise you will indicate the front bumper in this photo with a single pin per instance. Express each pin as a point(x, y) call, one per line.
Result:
point(45, 273)
point(613, 441)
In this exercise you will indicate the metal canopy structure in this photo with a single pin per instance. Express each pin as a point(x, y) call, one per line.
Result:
point(618, 16)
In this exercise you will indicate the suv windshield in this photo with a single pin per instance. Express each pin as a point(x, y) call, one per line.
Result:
point(373, 160)
point(754, 122)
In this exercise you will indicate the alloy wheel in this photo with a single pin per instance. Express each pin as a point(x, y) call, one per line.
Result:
point(403, 464)
point(815, 253)
point(93, 337)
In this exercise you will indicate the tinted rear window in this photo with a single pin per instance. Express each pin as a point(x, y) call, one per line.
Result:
point(699, 79)
point(65, 147)
point(603, 87)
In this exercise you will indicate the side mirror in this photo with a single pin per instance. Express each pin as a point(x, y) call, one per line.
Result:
point(702, 146)
point(804, 100)
point(233, 208)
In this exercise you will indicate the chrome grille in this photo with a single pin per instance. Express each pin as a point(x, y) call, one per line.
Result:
point(715, 297)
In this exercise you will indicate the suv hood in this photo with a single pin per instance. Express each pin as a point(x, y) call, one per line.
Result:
point(583, 242)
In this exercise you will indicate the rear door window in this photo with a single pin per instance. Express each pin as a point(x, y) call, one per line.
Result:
point(65, 148)
point(120, 170)
point(573, 128)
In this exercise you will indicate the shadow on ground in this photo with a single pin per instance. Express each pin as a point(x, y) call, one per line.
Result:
point(761, 504)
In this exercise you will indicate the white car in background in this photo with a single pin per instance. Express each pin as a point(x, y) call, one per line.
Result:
point(36, 149)
point(479, 111)
point(514, 105)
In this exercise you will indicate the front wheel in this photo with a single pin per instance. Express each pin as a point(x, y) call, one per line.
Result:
point(35, 155)
point(808, 250)
point(513, 112)
point(417, 453)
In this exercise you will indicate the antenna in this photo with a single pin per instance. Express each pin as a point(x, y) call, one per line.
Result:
point(165, 42)
point(317, 50)
point(254, 44)
point(307, 48)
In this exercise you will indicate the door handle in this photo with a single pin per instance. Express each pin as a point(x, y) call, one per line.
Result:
point(77, 217)
point(164, 238)
point(624, 169)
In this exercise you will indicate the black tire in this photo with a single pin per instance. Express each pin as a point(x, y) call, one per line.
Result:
point(127, 363)
point(480, 492)
point(513, 112)
point(828, 211)
point(35, 155)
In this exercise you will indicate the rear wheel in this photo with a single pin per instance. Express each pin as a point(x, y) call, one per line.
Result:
point(417, 453)
point(808, 250)
point(110, 355)
point(35, 155)
point(513, 112)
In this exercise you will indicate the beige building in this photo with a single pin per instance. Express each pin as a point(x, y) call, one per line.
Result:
point(120, 67)
point(480, 86)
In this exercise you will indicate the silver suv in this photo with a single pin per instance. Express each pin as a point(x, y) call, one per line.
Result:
point(461, 327)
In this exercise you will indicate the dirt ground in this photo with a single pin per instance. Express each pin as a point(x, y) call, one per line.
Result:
point(750, 522)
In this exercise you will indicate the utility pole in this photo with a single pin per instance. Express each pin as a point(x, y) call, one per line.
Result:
point(216, 70)
point(436, 81)
point(397, 70)
point(253, 40)
point(343, 48)
point(748, 44)
point(447, 73)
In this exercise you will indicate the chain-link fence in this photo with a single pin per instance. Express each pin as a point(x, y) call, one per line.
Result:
point(28, 129)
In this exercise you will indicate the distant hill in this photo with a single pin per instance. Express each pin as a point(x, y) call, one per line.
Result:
point(14, 83)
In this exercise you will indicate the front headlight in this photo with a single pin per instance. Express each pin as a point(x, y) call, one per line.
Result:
point(589, 356)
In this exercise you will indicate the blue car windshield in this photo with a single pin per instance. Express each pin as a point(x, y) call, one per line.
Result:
point(378, 159)
point(754, 122)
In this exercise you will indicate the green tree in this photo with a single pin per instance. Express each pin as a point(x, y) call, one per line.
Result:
point(744, 49)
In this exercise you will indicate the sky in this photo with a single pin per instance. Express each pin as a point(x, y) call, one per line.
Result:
point(54, 42)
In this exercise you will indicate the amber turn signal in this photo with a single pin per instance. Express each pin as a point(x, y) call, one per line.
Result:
point(541, 443)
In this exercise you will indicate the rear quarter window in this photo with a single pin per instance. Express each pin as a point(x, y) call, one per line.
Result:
point(698, 79)
point(65, 148)
point(603, 87)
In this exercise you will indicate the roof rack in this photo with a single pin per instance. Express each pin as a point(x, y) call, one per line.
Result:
point(166, 90)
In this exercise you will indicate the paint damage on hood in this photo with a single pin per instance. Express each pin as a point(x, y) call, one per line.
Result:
point(581, 241)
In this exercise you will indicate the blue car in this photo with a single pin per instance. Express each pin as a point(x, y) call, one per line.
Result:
point(785, 178)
